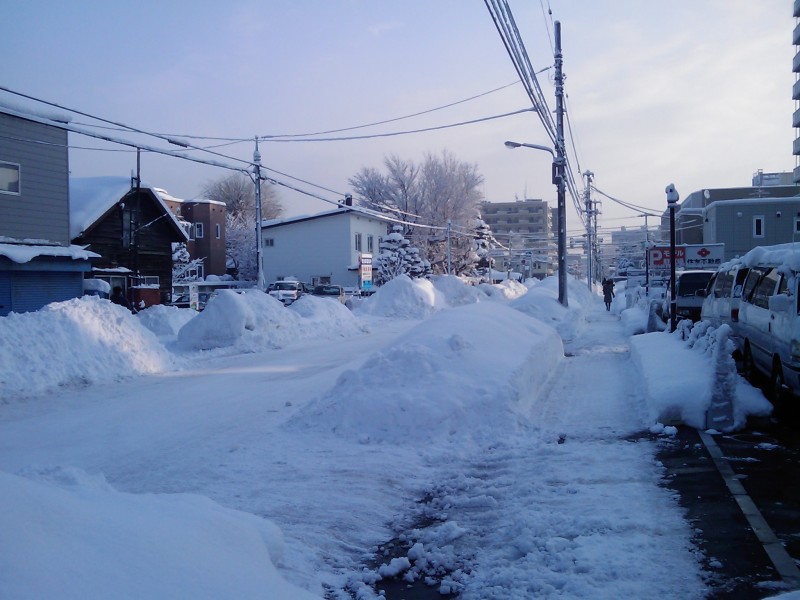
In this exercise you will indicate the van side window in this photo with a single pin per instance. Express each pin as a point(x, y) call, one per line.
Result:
point(740, 276)
point(765, 288)
point(724, 285)
point(753, 277)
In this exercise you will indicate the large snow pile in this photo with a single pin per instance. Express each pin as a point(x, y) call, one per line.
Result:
point(165, 321)
point(442, 380)
point(252, 321)
point(83, 538)
point(45, 349)
point(456, 291)
point(541, 301)
point(508, 289)
point(404, 298)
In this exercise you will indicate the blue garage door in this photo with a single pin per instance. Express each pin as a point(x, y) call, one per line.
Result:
point(5, 293)
point(31, 290)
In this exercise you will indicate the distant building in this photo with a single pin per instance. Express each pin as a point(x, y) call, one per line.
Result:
point(741, 218)
point(524, 226)
point(38, 264)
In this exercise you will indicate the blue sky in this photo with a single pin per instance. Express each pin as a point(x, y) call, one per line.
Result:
point(695, 93)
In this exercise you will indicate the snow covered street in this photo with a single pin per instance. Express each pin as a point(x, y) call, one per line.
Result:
point(508, 463)
point(543, 515)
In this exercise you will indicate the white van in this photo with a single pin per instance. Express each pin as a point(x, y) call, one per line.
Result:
point(769, 318)
point(690, 289)
point(723, 295)
point(286, 290)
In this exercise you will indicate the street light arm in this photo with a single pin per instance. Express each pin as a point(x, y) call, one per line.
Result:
point(513, 145)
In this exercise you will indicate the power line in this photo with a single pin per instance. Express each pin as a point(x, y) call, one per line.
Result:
point(417, 114)
point(396, 133)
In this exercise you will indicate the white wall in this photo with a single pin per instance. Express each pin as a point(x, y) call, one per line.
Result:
point(319, 246)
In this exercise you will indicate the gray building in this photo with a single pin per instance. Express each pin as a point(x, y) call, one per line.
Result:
point(525, 226)
point(38, 265)
point(741, 218)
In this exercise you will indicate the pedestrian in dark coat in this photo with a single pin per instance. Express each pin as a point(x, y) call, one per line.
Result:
point(119, 298)
point(608, 292)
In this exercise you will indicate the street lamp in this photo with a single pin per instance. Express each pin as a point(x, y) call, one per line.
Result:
point(558, 180)
point(672, 202)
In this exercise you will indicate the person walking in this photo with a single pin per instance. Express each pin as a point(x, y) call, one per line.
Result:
point(119, 298)
point(608, 292)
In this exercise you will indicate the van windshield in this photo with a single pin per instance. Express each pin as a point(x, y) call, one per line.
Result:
point(286, 285)
point(691, 283)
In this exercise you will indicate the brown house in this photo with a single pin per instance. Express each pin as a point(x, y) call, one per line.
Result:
point(206, 221)
point(131, 229)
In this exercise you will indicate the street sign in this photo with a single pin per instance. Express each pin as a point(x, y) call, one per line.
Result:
point(688, 256)
point(365, 271)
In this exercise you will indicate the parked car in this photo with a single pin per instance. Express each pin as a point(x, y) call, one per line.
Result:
point(723, 295)
point(287, 291)
point(690, 287)
point(329, 291)
point(769, 324)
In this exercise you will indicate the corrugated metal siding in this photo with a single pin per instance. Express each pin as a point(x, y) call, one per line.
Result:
point(5, 293)
point(41, 210)
point(31, 290)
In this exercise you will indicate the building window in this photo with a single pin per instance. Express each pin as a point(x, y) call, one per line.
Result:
point(269, 242)
point(758, 226)
point(217, 231)
point(198, 230)
point(797, 224)
point(9, 178)
point(358, 242)
point(370, 244)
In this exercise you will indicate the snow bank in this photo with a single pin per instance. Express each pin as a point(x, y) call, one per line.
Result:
point(541, 301)
point(456, 291)
point(67, 531)
point(46, 349)
point(443, 380)
point(678, 382)
point(252, 321)
point(165, 321)
point(404, 298)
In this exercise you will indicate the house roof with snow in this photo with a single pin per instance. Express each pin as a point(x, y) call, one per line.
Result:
point(90, 198)
point(266, 224)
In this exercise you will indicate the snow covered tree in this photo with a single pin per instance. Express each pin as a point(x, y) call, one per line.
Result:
point(482, 243)
point(391, 262)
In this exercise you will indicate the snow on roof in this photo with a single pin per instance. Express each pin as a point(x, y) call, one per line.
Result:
point(20, 109)
point(327, 213)
point(780, 254)
point(22, 253)
point(91, 197)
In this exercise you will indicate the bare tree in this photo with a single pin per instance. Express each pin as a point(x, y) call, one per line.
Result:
point(442, 188)
point(238, 193)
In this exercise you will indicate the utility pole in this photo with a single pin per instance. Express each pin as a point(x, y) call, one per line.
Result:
point(560, 175)
point(589, 243)
point(257, 172)
point(449, 224)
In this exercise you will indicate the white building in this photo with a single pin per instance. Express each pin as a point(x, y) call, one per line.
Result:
point(321, 248)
